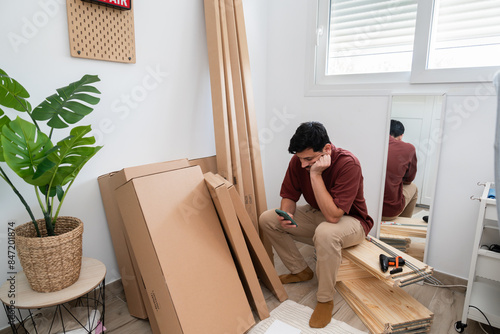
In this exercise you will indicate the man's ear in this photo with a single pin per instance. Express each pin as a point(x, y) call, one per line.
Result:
point(328, 148)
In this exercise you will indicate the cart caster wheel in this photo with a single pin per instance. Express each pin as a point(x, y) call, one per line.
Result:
point(459, 326)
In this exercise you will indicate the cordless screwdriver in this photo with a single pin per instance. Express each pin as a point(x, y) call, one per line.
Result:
point(386, 261)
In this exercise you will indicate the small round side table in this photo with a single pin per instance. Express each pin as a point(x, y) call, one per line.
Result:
point(88, 291)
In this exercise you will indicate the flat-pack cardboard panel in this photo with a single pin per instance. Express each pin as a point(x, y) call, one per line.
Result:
point(152, 275)
point(207, 164)
point(183, 255)
point(246, 190)
point(251, 121)
point(129, 276)
point(231, 112)
point(263, 265)
point(126, 174)
point(218, 87)
point(224, 205)
point(135, 292)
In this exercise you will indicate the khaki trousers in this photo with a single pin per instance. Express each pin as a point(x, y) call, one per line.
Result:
point(327, 238)
point(410, 193)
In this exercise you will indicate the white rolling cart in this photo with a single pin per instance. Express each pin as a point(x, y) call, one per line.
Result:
point(482, 300)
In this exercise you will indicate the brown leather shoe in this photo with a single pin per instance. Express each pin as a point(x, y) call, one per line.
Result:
point(304, 275)
point(322, 315)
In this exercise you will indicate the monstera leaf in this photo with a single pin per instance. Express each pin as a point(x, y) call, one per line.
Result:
point(24, 147)
point(3, 121)
point(63, 163)
point(12, 94)
point(66, 107)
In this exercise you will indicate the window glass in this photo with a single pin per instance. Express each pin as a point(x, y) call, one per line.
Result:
point(368, 36)
point(465, 34)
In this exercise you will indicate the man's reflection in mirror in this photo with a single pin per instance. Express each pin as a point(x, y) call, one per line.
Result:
point(400, 195)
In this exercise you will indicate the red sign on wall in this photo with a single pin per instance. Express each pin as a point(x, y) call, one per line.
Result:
point(119, 4)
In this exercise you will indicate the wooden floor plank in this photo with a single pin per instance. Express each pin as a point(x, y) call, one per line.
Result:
point(406, 231)
point(382, 307)
point(449, 303)
point(366, 255)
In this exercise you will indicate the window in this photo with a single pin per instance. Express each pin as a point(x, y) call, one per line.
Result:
point(418, 41)
point(371, 36)
point(465, 34)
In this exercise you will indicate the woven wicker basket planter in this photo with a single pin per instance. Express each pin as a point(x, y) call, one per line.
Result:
point(51, 263)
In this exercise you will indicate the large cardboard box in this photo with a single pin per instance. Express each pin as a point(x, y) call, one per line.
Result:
point(185, 262)
point(133, 286)
point(129, 274)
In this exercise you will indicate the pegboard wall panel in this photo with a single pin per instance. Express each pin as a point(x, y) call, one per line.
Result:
point(100, 32)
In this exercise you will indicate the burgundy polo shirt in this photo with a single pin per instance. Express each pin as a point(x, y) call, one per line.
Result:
point(401, 169)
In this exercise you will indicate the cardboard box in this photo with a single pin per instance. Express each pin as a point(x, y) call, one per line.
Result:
point(262, 264)
point(224, 205)
point(207, 164)
point(182, 253)
point(133, 286)
point(135, 292)
point(127, 174)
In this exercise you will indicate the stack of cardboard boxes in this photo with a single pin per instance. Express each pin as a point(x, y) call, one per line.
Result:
point(176, 264)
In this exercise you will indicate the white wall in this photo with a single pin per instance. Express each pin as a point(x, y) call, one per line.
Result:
point(359, 123)
point(137, 124)
point(466, 158)
point(354, 123)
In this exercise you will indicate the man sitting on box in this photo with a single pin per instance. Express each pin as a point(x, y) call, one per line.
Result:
point(336, 217)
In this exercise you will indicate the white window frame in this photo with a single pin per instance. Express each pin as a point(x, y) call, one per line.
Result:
point(318, 83)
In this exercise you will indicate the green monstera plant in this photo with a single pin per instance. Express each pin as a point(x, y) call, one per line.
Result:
point(26, 145)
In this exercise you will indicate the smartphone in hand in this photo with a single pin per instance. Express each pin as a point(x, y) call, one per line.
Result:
point(286, 216)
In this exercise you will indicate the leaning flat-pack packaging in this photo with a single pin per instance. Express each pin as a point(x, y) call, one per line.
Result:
point(184, 259)
point(133, 286)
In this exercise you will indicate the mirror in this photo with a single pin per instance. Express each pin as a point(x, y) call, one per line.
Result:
point(421, 117)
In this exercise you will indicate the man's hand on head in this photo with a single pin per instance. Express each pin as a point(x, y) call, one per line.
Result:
point(321, 164)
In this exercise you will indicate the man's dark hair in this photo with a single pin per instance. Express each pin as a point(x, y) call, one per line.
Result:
point(397, 128)
point(309, 135)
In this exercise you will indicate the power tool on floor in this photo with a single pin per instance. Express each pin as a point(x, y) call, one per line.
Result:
point(386, 261)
